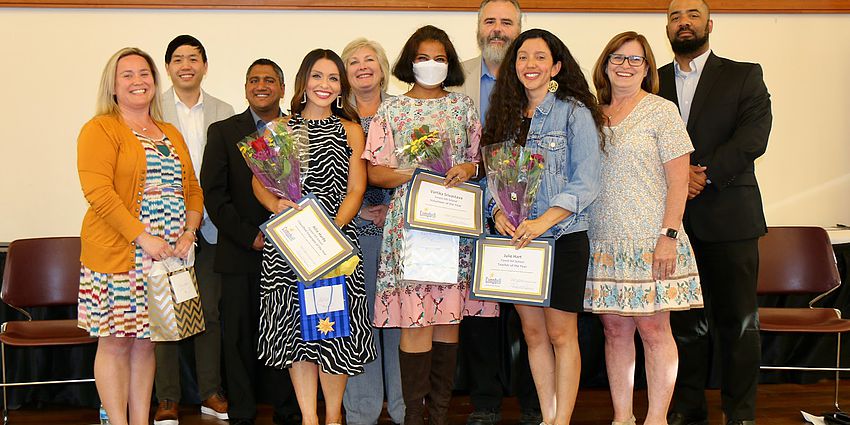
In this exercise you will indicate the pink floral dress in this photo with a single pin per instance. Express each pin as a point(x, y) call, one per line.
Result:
point(411, 304)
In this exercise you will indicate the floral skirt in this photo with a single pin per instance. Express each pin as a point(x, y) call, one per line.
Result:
point(421, 305)
point(414, 304)
point(619, 279)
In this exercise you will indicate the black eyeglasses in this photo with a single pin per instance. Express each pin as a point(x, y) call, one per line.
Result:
point(634, 60)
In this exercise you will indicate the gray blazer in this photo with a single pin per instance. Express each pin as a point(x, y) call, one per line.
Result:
point(214, 109)
point(472, 83)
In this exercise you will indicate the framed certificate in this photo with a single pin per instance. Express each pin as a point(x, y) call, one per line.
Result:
point(433, 207)
point(518, 276)
point(308, 239)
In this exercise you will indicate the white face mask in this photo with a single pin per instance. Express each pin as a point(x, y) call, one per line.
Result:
point(430, 73)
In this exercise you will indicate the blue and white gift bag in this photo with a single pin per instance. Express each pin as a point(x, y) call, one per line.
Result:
point(324, 309)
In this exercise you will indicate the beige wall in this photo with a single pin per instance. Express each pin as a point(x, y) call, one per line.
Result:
point(52, 59)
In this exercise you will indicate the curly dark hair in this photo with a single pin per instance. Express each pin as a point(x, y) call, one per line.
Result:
point(403, 68)
point(347, 111)
point(508, 100)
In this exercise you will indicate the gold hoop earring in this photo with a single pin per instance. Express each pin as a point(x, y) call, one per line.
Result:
point(304, 99)
point(553, 86)
point(339, 102)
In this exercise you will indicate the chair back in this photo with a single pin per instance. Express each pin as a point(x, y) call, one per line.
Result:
point(42, 272)
point(796, 260)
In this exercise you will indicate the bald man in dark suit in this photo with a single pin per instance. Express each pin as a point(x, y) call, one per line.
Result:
point(726, 107)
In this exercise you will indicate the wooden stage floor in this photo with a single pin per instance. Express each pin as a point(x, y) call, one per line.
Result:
point(778, 404)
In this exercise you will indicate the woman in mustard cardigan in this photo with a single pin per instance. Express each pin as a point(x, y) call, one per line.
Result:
point(144, 205)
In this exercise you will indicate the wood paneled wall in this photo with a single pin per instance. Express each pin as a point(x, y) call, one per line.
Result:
point(730, 6)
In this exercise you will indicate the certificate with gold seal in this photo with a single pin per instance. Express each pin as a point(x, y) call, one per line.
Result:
point(433, 207)
point(518, 276)
point(308, 239)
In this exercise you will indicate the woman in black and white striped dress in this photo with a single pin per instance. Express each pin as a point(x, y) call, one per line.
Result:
point(337, 177)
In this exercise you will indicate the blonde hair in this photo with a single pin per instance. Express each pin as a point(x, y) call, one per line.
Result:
point(359, 43)
point(106, 100)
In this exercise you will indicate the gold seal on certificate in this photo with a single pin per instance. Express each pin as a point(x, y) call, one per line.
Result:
point(518, 276)
point(433, 207)
point(308, 239)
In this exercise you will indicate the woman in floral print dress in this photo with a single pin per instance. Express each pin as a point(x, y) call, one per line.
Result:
point(636, 275)
point(428, 313)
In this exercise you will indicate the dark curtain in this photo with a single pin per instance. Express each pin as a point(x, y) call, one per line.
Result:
point(77, 362)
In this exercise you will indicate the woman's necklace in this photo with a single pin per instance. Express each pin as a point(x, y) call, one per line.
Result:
point(134, 125)
point(161, 146)
point(623, 104)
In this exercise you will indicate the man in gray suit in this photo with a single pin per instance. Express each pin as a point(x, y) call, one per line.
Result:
point(192, 110)
point(499, 23)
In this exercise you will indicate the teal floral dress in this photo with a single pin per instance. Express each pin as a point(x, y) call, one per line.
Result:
point(405, 303)
point(626, 217)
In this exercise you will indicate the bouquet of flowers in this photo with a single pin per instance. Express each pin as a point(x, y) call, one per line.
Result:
point(513, 176)
point(428, 150)
point(276, 158)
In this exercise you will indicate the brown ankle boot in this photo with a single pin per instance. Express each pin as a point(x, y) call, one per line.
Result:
point(414, 369)
point(443, 365)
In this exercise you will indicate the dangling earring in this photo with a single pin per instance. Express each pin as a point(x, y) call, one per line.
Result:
point(304, 99)
point(339, 102)
point(553, 86)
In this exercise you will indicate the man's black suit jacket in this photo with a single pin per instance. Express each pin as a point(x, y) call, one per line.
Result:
point(228, 197)
point(729, 125)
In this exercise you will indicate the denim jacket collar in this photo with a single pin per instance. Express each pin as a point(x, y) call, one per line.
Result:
point(541, 112)
point(546, 106)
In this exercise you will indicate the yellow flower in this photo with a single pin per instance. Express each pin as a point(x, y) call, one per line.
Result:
point(672, 292)
point(325, 326)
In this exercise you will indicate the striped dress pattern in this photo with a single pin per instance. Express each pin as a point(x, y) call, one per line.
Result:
point(116, 303)
point(281, 342)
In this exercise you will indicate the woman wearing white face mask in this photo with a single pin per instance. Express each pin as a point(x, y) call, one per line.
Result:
point(427, 312)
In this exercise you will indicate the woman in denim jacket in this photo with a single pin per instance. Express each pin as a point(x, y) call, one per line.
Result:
point(543, 101)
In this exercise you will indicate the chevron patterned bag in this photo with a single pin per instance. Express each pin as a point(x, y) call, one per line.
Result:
point(174, 306)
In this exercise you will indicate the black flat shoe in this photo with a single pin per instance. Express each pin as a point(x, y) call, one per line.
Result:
point(675, 418)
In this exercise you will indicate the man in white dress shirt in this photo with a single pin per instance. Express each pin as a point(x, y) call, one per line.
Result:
point(192, 110)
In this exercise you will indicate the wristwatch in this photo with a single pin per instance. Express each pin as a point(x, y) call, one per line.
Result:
point(670, 233)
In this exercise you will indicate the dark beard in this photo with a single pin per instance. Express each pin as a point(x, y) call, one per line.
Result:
point(686, 47)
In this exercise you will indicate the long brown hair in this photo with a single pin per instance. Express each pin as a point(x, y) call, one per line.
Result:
point(600, 76)
point(508, 100)
point(347, 111)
